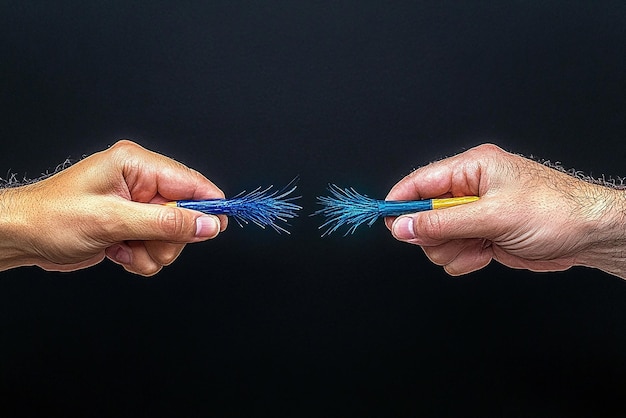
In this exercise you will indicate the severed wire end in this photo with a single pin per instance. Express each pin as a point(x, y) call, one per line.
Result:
point(346, 207)
point(262, 207)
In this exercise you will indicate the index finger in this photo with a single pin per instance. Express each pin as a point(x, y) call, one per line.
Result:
point(149, 174)
point(450, 177)
point(455, 176)
point(154, 178)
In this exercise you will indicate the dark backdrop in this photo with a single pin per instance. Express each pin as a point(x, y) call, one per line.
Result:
point(359, 93)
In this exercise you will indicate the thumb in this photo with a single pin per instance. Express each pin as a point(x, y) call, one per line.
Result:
point(437, 226)
point(153, 222)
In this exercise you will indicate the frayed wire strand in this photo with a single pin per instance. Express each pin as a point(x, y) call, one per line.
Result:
point(262, 207)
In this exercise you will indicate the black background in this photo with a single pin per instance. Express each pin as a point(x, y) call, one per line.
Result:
point(353, 92)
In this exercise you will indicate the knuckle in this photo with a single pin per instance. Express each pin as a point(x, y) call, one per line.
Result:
point(172, 222)
point(452, 270)
point(430, 225)
point(437, 256)
point(489, 149)
point(167, 256)
point(127, 155)
point(146, 270)
point(143, 267)
point(166, 259)
point(123, 145)
point(122, 150)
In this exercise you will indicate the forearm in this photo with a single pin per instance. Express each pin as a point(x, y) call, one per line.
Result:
point(12, 226)
point(606, 243)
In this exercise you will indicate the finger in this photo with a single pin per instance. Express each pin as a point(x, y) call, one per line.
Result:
point(151, 222)
point(429, 181)
point(152, 177)
point(444, 178)
point(435, 227)
point(444, 254)
point(164, 253)
point(471, 258)
point(459, 175)
point(223, 221)
point(147, 172)
point(134, 257)
point(119, 253)
point(141, 261)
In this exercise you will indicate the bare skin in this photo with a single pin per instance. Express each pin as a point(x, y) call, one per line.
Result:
point(106, 205)
point(529, 216)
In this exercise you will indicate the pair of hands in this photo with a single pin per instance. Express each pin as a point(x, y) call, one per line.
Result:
point(529, 216)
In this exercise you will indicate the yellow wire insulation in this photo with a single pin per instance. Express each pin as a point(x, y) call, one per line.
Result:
point(453, 201)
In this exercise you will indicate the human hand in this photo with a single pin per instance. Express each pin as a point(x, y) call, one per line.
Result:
point(107, 205)
point(529, 216)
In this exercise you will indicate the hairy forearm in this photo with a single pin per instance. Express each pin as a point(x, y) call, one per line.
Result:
point(606, 243)
point(12, 225)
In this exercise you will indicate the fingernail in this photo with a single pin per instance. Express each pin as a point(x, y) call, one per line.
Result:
point(207, 226)
point(121, 255)
point(403, 228)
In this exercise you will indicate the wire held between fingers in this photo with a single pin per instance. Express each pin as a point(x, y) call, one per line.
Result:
point(347, 207)
point(262, 207)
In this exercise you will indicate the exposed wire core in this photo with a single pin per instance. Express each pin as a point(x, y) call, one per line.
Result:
point(262, 207)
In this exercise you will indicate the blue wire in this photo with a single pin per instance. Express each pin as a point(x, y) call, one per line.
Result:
point(261, 206)
point(347, 207)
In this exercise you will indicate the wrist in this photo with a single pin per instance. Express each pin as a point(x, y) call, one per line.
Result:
point(606, 240)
